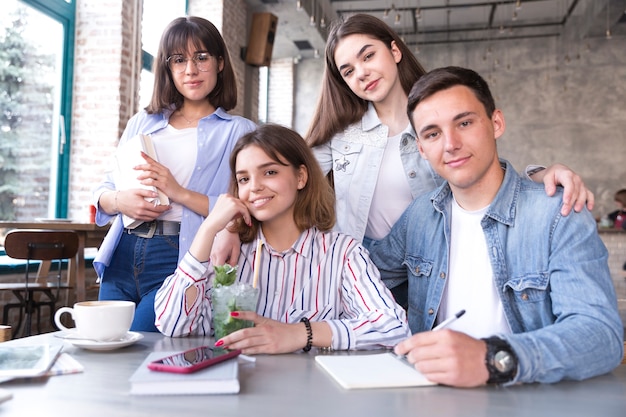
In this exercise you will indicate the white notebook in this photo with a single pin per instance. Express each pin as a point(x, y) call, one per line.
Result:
point(128, 155)
point(380, 370)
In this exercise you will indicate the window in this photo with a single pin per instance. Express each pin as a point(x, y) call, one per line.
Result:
point(35, 104)
point(157, 14)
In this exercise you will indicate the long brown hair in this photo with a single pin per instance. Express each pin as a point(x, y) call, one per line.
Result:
point(315, 203)
point(175, 40)
point(338, 106)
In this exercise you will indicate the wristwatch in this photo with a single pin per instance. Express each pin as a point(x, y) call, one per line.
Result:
point(501, 361)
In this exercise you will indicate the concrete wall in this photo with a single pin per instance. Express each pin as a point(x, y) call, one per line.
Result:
point(563, 101)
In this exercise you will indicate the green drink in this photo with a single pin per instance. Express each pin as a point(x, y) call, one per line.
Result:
point(226, 296)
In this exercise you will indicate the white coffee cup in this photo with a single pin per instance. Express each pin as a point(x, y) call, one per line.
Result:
point(101, 321)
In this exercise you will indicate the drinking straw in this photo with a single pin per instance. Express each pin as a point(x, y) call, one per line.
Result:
point(257, 262)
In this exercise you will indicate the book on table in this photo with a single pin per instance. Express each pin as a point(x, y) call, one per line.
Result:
point(128, 156)
point(221, 378)
point(379, 370)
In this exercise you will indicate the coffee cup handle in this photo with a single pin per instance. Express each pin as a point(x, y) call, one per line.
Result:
point(59, 313)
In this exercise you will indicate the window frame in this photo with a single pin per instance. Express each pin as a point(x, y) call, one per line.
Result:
point(64, 12)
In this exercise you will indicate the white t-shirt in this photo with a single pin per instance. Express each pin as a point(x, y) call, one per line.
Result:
point(177, 150)
point(470, 285)
point(392, 194)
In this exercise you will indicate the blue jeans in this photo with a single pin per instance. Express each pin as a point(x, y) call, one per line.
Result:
point(138, 268)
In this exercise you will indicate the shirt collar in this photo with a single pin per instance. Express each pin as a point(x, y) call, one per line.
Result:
point(503, 206)
point(302, 246)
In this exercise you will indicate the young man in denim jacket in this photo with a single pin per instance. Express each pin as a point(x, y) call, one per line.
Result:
point(539, 299)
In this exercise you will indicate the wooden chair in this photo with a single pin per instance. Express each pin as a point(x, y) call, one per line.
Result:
point(5, 333)
point(33, 294)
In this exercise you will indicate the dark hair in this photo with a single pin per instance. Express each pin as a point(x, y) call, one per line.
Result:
point(338, 106)
point(175, 40)
point(620, 197)
point(315, 203)
point(443, 78)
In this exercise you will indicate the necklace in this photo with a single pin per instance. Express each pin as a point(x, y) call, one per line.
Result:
point(187, 120)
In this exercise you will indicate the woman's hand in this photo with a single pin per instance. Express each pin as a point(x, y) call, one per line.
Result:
point(225, 248)
point(133, 204)
point(226, 209)
point(267, 335)
point(575, 193)
point(158, 175)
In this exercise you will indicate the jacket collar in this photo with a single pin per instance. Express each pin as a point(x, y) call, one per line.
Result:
point(503, 206)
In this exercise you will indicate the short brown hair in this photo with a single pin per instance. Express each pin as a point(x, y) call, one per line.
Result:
point(315, 203)
point(443, 78)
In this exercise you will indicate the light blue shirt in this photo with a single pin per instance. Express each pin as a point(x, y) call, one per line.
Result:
point(217, 135)
point(551, 273)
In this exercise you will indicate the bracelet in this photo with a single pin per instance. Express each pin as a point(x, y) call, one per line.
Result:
point(309, 334)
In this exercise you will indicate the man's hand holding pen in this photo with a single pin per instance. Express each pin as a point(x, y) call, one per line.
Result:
point(447, 356)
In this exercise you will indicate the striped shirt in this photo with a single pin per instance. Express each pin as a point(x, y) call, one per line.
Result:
point(324, 276)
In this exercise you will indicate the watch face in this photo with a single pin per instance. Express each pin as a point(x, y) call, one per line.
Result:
point(503, 361)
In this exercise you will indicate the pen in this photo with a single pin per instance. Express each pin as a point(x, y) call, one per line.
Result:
point(449, 320)
point(440, 326)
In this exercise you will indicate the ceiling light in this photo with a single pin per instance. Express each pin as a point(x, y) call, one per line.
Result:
point(518, 4)
point(418, 14)
point(398, 19)
point(322, 22)
point(299, 5)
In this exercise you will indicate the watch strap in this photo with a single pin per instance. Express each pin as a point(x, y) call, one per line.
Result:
point(494, 346)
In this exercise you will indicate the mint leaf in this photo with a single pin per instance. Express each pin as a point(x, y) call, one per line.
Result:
point(225, 275)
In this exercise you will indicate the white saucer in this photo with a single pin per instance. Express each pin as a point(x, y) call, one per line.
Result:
point(127, 340)
point(5, 395)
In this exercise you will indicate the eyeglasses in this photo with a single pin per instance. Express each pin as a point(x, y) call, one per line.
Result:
point(178, 63)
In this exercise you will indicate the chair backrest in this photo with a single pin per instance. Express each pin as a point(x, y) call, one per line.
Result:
point(42, 245)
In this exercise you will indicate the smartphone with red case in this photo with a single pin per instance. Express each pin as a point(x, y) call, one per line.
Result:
point(192, 360)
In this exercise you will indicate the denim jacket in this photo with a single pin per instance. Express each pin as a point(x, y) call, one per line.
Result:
point(217, 135)
point(355, 156)
point(551, 273)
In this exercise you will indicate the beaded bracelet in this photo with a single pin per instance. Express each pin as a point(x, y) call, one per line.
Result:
point(309, 334)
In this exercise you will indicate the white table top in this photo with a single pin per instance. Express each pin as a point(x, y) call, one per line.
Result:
point(291, 385)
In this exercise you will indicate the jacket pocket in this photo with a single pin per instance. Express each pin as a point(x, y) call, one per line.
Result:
point(530, 287)
point(418, 266)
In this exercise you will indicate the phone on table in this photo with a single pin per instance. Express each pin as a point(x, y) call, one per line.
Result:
point(192, 360)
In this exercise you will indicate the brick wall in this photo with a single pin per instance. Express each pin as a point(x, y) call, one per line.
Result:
point(106, 81)
point(281, 92)
point(103, 98)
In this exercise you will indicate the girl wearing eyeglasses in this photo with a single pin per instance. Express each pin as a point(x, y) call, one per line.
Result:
point(187, 119)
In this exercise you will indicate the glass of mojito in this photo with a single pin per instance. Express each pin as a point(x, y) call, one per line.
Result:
point(227, 296)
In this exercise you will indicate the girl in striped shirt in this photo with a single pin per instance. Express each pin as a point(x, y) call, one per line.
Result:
point(307, 271)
